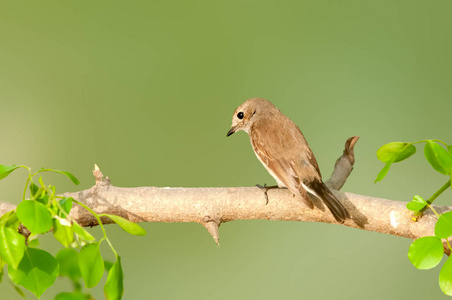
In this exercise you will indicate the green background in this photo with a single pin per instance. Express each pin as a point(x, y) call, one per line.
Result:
point(146, 89)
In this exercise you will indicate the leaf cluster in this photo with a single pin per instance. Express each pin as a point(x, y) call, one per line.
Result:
point(438, 157)
point(81, 259)
point(426, 252)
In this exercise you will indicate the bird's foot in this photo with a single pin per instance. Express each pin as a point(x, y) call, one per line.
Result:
point(266, 188)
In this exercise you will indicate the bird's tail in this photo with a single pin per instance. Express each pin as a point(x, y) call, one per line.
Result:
point(337, 209)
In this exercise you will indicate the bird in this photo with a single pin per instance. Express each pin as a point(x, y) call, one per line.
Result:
point(281, 147)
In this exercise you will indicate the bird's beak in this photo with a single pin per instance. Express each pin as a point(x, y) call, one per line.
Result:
point(232, 130)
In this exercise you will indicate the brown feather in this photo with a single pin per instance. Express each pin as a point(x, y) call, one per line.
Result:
point(278, 152)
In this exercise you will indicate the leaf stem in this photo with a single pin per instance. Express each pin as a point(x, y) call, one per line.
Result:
point(100, 224)
point(424, 141)
point(439, 192)
point(25, 189)
point(434, 211)
point(434, 196)
point(28, 181)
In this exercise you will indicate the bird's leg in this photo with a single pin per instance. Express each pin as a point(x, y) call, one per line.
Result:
point(266, 188)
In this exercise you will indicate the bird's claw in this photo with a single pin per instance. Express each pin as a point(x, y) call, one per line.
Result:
point(266, 188)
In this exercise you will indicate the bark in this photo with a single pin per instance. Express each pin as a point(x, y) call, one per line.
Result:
point(212, 206)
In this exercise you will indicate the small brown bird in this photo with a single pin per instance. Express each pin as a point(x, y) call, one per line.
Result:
point(281, 147)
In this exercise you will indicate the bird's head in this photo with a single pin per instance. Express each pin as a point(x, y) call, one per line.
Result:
point(248, 113)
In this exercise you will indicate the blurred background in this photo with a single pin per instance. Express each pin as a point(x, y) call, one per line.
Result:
point(146, 89)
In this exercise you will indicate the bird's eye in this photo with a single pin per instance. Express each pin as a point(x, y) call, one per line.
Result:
point(240, 115)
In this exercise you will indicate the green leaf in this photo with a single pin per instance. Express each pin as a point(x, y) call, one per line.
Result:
point(82, 233)
point(63, 233)
point(10, 219)
point(35, 216)
point(114, 287)
point(406, 153)
point(33, 243)
point(19, 290)
point(91, 264)
point(42, 195)
point(383, 172)
point(445, 277)
point(6, 170)
point(426, 252)
point(69, 175)
point(69, 263)
point(71, 296)
point(443, 227)
point(36, 272)
point(34, 189)
point(392, 153)
point(43, 199)
point(438, 157)
point(66, 204)
point(12, 246)
point(107, 265)
point(416, 204)
point(395, 152)
point(388, 152)
point(126, 225)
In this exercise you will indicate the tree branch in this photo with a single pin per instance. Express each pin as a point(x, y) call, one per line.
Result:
point(212, 206)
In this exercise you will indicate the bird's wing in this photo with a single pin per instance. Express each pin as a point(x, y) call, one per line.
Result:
point(286, 154)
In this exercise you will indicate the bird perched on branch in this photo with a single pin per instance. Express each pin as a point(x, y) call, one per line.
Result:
point(281, 147)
